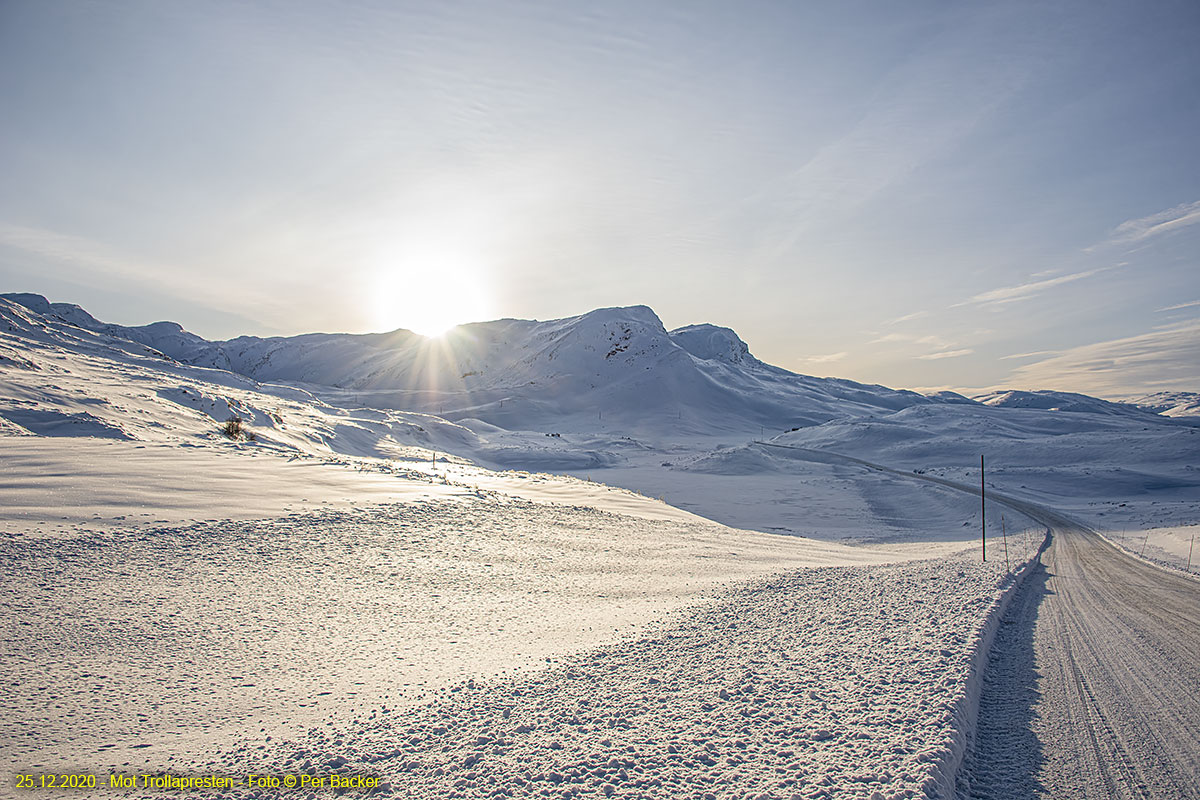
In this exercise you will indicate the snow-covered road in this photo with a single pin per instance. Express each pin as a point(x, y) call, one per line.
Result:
point(1093, 690)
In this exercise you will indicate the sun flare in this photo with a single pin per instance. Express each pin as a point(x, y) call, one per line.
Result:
point(430, 299)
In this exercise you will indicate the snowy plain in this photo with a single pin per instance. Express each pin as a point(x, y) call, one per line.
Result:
point(469, 602)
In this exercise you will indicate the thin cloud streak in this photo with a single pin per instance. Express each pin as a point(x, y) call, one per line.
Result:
point(825, 359)
point(966, 351)
point(909, 317)
point(1172, 219)
point(73, 250)
point(1155, 361)
point(931, 339)
point(1033, 354)
point(94, 258)
point(1026, 291)
point(1191, 304)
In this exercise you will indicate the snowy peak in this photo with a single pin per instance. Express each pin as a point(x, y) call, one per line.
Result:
point(947, 396)
point(68, 312)
point(713, 343)
point(601, 338)
point(640, 315)
point(167, 337)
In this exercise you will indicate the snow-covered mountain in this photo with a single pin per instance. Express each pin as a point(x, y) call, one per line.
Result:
point(619, 363)
point(1048, 400)
point(1170, 404)
point(616, 363)
point(609, 394)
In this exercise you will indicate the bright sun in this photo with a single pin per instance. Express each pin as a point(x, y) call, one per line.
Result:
point(430, 300)
point(438, 313)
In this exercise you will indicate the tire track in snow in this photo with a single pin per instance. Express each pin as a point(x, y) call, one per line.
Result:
point(1092, 689)
point(1116, 712)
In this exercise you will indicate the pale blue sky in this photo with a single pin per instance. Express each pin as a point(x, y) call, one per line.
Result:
point(920, 194)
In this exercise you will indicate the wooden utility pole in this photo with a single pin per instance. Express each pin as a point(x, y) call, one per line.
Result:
point(1190, 547)
point(982, 511)
point(1004, 533)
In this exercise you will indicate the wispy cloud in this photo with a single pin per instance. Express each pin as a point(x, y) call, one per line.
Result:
point(892, 337)
point(1028, 290)
point(97, 263)
point(1191, 304)
point(966, 351)
point(942, 348)
point(909, 317)
point(918, 115)
point(73, 250)
point(1172, 219)
point(828, 358)
point(1033, 354)
point(1163, 359)
point(929, 339)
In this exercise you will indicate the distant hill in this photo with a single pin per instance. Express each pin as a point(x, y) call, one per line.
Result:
point(682, 414)
point(619, 363)
point(1061, 401)
point(614, 364)
point(1170, 404)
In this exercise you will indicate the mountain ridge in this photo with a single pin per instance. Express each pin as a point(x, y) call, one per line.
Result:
point(620, 361)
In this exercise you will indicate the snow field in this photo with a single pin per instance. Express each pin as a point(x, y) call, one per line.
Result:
point(167, 640)
point(1111, 474)
point(52, 486)
point(56, 486)
point(847, 682)
point(1175, 547)
point(839, 502)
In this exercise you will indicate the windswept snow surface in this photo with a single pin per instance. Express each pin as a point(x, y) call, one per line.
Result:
point(458, 643)
point(846, 682)
point(1122, 478)
point(170, 638)
point(169, 590)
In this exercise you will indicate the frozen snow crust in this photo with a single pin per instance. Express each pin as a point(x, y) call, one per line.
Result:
point(166, 639)
point(848, 682)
